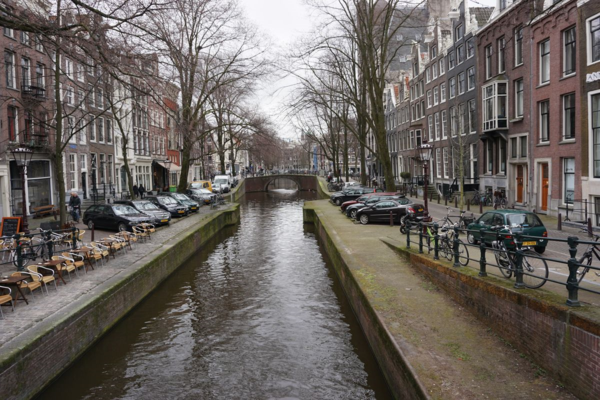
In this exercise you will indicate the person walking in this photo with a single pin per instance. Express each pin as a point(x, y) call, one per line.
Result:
point(136, 191)
point(75, 206)
point(142, 191)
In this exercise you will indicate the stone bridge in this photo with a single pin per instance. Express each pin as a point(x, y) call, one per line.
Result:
point(261, 183)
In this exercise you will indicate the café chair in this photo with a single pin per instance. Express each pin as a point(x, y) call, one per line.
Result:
point(30, 284)
point(45, 279)
point(76, 259)
point(66, 266)
point(6, 298)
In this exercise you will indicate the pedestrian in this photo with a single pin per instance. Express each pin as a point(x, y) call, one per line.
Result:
point(136, 191)
point(75, 206)
point(142, 191)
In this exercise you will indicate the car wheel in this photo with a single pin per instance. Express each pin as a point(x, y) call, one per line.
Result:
point(471, 239)
point(122, 227)
point(353, 214)
point(338, 202)
point(539, 249)
point(364, 219)
point(90, 224)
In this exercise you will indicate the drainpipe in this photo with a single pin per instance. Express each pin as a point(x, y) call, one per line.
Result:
point(531, 133)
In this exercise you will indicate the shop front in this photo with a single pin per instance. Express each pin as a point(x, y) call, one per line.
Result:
point(38, 185)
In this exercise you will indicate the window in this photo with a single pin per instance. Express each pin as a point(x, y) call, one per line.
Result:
point(418, 136)
point(569, 180)
point(438, 160)
point(470, 48)
point(427, 75)
point(38, 43)
point(488, 61)
point(80, 98)
point(99, 98)
point(518, 46)
point(9, 69)
point(461, 83)
point(429, 99)
point(451, 60)
point(513, 147)
point(443, 92)
point(544, 110)
point(523, 145)
point(596, 134)
point(5, 12)
point(459, 32)
point(569, 116)
point(441, 65)
point(471, 78)
point(109, 168)
point(82, 162)
point(39, 76)
point(502, 157)
point(430, 126)
point(594, 40)
point(473, 160)
point(569, 52)
point(100, 129)
point(494, 106)
point(460, 53)
point(91, 98)
point(444, 121)
point(544, 61)
point(453, 121)
point(69, 68)
point(91, 126)
point(434, 68)
point(445, 155)
point(108, 131)
point(81, 132)
point(79, 72)
point(502, 4)
point(463, 122)
point(433, 52)
point(11, 120)
point(452, 84)
point(519, 98)
point(28, 131)
point(501, 45)
point(72, 171)
point(436, 95)
point(437, 126)
point(25, 74)
point(472, 116)
point(102, 168)
point(490, 156)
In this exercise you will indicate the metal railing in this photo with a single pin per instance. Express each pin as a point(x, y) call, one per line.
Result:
point(426, 236)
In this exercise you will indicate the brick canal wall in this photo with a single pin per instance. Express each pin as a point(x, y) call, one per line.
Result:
point(46, 350)
point(399, 374)
point(563, 341)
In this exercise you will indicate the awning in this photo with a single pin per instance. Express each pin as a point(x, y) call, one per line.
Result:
point(173, 168)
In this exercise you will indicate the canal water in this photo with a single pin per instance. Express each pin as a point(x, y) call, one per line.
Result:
point(257, 314)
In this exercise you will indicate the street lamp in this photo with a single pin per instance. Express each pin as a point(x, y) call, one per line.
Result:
point(168, 163)
point(94, 188)
point(425, 151)
point(22, 156)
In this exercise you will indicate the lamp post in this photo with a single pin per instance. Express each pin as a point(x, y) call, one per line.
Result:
point(22, 156)
point(94, 188)
point(425, 151)
point(168, 163)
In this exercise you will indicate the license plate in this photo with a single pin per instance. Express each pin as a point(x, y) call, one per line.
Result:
point(420, 209)
point(194, 208)
point(529, 243)
point(164, 220)
point(181, 212)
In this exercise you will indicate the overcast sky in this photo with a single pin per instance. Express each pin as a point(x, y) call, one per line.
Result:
point(284, 21)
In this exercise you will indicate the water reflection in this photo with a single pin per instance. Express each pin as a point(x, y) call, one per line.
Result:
point(255, 315)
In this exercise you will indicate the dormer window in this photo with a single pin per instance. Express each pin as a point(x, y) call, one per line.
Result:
point(459, 32)
point(433, 52)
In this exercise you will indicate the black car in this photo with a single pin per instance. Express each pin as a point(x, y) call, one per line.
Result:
point(161, 217)
point(169, 204)
point(201, 195)
point(349, 194)
point(121, 217)
point(353, 209)
point(191, 205)
point(380, 211)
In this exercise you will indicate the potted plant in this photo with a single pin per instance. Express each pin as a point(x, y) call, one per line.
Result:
point(405, 175)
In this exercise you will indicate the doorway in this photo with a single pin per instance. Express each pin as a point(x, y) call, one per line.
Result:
point(544, 183)
point(84, 184)
point(520, 184)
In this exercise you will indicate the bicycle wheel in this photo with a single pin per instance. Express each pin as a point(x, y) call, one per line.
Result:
point(463, 253)
point(535, 270)
point(446, 250)
point(503, 263)
point(27, 255)
point(584, 269)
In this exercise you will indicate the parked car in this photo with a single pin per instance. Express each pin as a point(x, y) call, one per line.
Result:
point(349, 194)
point(353, 209)
point(191, 205)
point(120, 217)
point(364, 198)
point(222, 183)
point(524, 222)
point(201, 185)
point(169, 204)
point(203, 196)
point(161, 217)
point(380, 211)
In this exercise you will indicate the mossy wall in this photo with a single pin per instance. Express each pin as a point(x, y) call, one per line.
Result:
point(50, 347)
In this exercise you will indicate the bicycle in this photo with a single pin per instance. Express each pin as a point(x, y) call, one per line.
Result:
point(217, 201)
point(334, 186)
point(462, 222)
point(446, 244)
point(585, 262)
point(500, 202)
point(535, 269)
point(30, 252)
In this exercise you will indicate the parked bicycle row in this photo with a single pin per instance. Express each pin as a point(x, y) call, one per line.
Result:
point(44, 259)
point(516, 243)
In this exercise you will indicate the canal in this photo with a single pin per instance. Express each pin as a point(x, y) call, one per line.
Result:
point(257, 314)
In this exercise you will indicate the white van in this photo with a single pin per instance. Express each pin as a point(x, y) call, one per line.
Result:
point(223, 183)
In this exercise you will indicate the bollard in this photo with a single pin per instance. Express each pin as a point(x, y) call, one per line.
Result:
point(480, 207)
point(455, 248)
point(559, 223)
point(590, 230)
point(74, 237)
point(19, 249)
point(431, 197)
point(572, 281)
point(519, 263)
point(468, 204)
point(49, 244)
point(445, 200)
point(482, 262)
point(93, 226)
point(438, 196)
point(436, 240)
point(391, 218)
point(407, 235)
point(456, 202)
point(420, 238)
point(586, 210)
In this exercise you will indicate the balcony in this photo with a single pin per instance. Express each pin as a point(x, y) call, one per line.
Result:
point(33, 92)
point(495, 106)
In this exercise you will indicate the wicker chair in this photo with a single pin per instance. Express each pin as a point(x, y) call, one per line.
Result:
point(6, 298)
point(30, 284)
point(45, 279)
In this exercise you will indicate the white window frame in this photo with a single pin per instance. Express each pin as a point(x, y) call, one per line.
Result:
point(444, 124)
point(430, 127)
point(442, 92)
point(519, 97)
point(565, 47)
point(469, 81)
point(445, 162)
point(436, 96)
point(588, 33)
point(437, 126)
point(541, 122)
point(438, 162)
point(489, 56)
point(564, 116)
point(518, 46)
point(544, 61)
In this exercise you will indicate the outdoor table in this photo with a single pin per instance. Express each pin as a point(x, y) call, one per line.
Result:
point(84, 251)
point(53, 265)
point(14, 281)
point(109, 243)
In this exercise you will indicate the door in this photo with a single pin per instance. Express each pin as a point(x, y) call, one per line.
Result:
point(544, 183)
point(84, 184)
point(520, 184)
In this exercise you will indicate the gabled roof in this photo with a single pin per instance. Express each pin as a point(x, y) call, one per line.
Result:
point(482, 14)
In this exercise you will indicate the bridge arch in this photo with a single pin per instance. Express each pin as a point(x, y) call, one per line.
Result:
point(261, 183)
